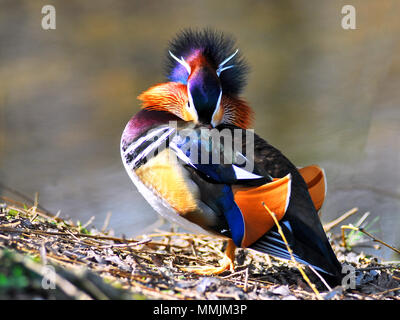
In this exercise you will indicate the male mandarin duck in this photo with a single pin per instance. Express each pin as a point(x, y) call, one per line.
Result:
point(169, 151)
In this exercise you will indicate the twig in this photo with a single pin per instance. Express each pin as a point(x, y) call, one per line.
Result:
point(362, 219)
point(23, 196)
point(320, 277)
point(389, 290)
point(106, 221)
point(397, 262)
point(376, 268)
point(55, 233)
point(10, 225)
point(45, 214)
point(89, 222)
point(70, 233)
point(124, 245)
point(234, 274)
point(34, 217)
point(291, 253)
point(163, 233)
point(227, 295)
point(366, 233)
point(344, 216)
point(246, 280)
point(378, 240)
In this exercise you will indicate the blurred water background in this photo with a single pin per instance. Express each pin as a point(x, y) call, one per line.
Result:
point(321, 94)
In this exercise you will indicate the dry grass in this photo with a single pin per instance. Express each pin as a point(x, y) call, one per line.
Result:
point(90, 264)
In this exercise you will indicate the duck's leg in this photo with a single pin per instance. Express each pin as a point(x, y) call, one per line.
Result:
point(227, 263)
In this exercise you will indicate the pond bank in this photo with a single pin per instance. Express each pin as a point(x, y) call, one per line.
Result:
point(46, 257)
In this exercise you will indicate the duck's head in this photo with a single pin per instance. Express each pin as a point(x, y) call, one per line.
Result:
point(209, 65)
point(206, 74)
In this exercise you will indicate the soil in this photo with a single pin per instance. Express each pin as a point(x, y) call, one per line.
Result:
point(46, 257)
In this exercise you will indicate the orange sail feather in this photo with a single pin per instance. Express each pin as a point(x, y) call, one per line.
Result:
point(257, 221)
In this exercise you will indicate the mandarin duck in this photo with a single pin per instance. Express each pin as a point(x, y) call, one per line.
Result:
point(192, 155)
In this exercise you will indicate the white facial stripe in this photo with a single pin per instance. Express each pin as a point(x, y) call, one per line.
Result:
point(216, 109)
point(182, 62)
point(221, 65)
point(229, 58)
point(190, 106)
point(223, 69)
point(190, 95)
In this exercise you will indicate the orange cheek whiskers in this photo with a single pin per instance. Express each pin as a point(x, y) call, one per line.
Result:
point(237, 112)
point(170, 97)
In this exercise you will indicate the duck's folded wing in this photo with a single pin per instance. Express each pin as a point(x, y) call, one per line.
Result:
point(227, 195)
point(214, 159)
point(234, 191)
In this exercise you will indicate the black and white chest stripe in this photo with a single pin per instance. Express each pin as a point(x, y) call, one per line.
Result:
point(152, 142)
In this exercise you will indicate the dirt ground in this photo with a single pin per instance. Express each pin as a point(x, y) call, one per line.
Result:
point(46, 257)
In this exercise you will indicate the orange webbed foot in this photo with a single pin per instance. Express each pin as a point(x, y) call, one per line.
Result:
point(226, 263)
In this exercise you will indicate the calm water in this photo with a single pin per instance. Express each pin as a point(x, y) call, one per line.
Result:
point(321, 94)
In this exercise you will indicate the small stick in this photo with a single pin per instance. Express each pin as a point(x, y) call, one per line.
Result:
point(320, 277)
point(54, 233)
point(34, 217)
point(106, 221)
point(19, 194)
point(10, 225)
point(378, 240)
point(69, 232)
point(234, 274)
point(366, 233)
point(89, 222)
point(268, 259)
point(170, 234)
point(45, 214)
point(343, 217)
point(397, 262)
point(362, 219)
point(124, 245)
point(246, 280)
point(387, 291)
point(36, 200)
point(227, 295)
point(376, 268)
point(291, 253)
